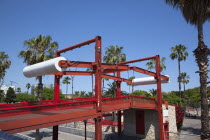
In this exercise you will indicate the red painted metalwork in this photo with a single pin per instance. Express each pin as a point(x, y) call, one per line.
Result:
point(116, 78)
point(166, 130)
point(76, 46)
point(98, 89)
point(119, 112)
point(137, 60)
point(94, 107)
point(73, 73)
point(159, 98)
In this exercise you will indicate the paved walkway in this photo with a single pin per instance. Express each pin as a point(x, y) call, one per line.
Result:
point(192, 127)
point(46, 134)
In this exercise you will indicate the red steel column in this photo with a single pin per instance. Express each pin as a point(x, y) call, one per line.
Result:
point(57, 85)
point(56, 100)
point(160, 101)
point(57, 89)
point(98, 89)
point(119, 127)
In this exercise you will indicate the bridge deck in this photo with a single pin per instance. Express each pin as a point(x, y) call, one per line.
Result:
point(21, 117)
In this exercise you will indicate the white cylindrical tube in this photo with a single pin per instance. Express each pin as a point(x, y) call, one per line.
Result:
point(147, 81)
point(44, 68)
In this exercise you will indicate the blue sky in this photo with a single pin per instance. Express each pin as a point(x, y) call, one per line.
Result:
point(143, 28)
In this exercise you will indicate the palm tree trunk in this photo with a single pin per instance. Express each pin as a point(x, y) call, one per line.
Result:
point(39, 97)
point(179, 79)
point(72, 85)
point(40, 87)
point(66, 90)
point(201, 55)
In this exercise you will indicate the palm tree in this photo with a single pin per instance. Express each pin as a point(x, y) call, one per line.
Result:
point(18, 90)
point(179, 53)
point(184, 78)
point(151, 64)
point(197, 12)
point(130, 84)
point(153, 92)
point(38, 50)
point(90, 70)
point(66, 81)
point(4, 64)
point(114, 55)
point(28, 85)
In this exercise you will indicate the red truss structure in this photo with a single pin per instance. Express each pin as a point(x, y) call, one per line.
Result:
point(70, 110)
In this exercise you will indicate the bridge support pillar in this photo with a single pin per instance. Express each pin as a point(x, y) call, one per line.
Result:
point(55, 132)
point(119, 123)
point(98, 128)
point(119, 127)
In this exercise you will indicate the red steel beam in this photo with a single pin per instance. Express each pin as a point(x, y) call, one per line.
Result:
point(76, 46)
point(112, 70)
point(111, 66)
point(73, 73)
point(116, 78)
point(137, 69)
point(136, 60)
point(81, 64)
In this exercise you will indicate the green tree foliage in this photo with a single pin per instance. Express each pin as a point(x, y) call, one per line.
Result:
point(179, 53)
point(47, 93)
point(2, 96)
point(4, 65)
point(10, 95)
point(38, 50)
point(28, 86)
point(18, 90)
point(114, 55)
point(130, 84)
point(24, 97)
point(110, 92)
point(80, 94)
point(66, 81)
point(184, 79)
point(197, 12)
point(153, 92)
point(151, 64)
point(172, 97)
point(141, 93)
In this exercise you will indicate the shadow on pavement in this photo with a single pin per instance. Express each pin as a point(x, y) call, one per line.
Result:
point(192, 130)
point(42, 134)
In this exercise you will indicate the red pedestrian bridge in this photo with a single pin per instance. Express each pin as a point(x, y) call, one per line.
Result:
point(19, 117)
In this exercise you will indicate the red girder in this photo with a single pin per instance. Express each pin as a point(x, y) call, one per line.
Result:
point(136, 60)
point(76, 46)
point(116, 78)
point(73, 73)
